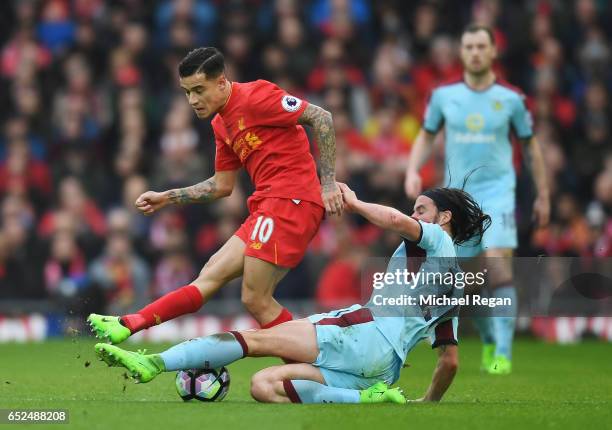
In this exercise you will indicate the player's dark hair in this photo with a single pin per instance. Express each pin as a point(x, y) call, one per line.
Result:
point(475, 28)
point(467, 218)
point(209, 61)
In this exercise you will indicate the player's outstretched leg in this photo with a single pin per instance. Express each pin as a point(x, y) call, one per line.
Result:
point(295, 339)
point(211, 351)
point(116, 329)
point(222, 267)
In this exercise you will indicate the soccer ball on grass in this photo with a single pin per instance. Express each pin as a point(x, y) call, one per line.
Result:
point(206, 385)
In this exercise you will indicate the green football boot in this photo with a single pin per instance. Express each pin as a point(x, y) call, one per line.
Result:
point(108, 328)
point(381, 393)
point(500, 366)
point(488, 354)
point(142, 367)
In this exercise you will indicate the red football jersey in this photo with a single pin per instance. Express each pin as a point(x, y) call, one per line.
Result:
point(257, 129)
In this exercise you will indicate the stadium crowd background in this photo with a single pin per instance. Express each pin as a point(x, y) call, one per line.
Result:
point(92, 115)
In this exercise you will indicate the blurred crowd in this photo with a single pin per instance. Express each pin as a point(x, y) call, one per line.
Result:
point(92, 116)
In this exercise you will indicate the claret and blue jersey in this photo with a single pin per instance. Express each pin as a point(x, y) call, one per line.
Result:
point(478, 125)
point(477, 132)
point(377, 339)
point(405, 326)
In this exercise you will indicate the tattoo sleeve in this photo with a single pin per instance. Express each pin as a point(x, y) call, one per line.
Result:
point(202, 192)
point(321, 121)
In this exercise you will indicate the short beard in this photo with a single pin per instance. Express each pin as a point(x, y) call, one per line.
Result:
point(480, 73)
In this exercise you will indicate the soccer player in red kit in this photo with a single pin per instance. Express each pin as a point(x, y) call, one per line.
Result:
point(259, 126)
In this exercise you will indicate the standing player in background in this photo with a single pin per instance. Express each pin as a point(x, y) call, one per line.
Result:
point(259, 126)
point(479, 112)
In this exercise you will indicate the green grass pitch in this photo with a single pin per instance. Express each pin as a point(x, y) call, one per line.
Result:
point(552, 387)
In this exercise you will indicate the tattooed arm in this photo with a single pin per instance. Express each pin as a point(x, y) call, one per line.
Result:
point(220, 185)
point(321, 121)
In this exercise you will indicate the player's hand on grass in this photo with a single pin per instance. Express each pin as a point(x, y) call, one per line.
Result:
point(348, 195)
point(413, 185)
point(332, 198)
point(151, 201)
point(541, 210)
point(421, 400)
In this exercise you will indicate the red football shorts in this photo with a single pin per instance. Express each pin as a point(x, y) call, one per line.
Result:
point(279, 230)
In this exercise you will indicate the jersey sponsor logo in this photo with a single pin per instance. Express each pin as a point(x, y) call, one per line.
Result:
point(244, 145)
point(290, 103)
point(474, 138)
point(474, 122)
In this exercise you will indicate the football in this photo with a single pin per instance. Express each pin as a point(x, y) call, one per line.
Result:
point(205, 385)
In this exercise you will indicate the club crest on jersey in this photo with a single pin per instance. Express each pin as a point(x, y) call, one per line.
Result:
point(497, 105)
point(244, 145)
point(290, 103)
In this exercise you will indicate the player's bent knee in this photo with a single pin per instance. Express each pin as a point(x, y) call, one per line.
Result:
point(262, 388)
point(451, 364)
point(254, 301)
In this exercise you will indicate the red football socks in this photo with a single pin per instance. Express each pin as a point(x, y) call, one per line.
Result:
point(284, 316)
point(183, 301)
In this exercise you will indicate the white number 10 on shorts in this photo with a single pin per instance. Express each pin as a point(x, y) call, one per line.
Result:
point(264, 226)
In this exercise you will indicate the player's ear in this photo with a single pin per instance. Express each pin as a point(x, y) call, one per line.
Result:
point(221, 82)
point(444, 217)
point(494, 50)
